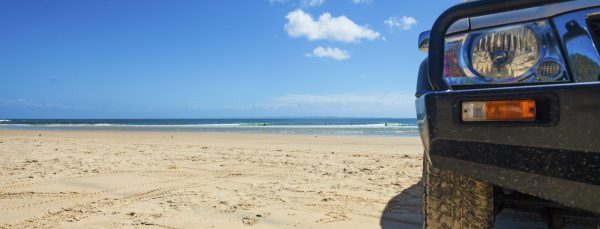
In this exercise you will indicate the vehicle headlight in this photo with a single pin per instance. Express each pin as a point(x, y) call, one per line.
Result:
point(524, 53)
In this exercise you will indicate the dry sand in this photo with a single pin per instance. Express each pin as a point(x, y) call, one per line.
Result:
point(77, 179)
point(100, 179)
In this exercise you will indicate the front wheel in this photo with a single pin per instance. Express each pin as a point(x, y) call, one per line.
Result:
point(452, 200)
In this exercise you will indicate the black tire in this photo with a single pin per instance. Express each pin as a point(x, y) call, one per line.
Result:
point(451, 200)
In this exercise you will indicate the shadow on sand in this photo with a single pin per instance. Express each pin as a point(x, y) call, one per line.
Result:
point(404, 209)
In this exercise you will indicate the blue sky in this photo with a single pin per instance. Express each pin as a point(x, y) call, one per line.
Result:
point(211, 59)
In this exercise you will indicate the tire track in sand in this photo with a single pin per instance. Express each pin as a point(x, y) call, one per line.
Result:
point(80, 211)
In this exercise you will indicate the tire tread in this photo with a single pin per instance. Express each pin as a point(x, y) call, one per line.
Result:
point(452, 200)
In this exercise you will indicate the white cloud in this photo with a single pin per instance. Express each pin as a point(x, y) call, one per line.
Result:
point(336, 100)
point(403, 23)
point(328, 52)
point(278, 1)
point(301, 24)
point(312, 3)
point(358, 2)
point(301, 3)
point(396, 104)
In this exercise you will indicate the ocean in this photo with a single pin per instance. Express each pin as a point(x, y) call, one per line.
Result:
point(308, 126)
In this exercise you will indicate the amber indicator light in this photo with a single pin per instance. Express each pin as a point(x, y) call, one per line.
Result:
point(499, 110)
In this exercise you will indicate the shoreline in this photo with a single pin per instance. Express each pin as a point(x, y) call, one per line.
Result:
point(304, 126)
point(191, 131)
point(17, 131)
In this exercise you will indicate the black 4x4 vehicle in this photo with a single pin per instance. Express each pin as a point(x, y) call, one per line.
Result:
point(508, 107)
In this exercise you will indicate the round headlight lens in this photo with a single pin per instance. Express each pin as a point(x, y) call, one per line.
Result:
point(505, 54)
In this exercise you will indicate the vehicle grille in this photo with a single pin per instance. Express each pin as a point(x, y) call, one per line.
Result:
point(594, 24)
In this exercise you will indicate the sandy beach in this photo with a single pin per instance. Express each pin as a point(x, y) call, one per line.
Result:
point(101, 179)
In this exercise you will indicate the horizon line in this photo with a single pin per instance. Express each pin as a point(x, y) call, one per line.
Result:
point(258, 117)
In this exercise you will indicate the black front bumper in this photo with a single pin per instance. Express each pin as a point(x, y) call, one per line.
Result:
point(556, 158)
